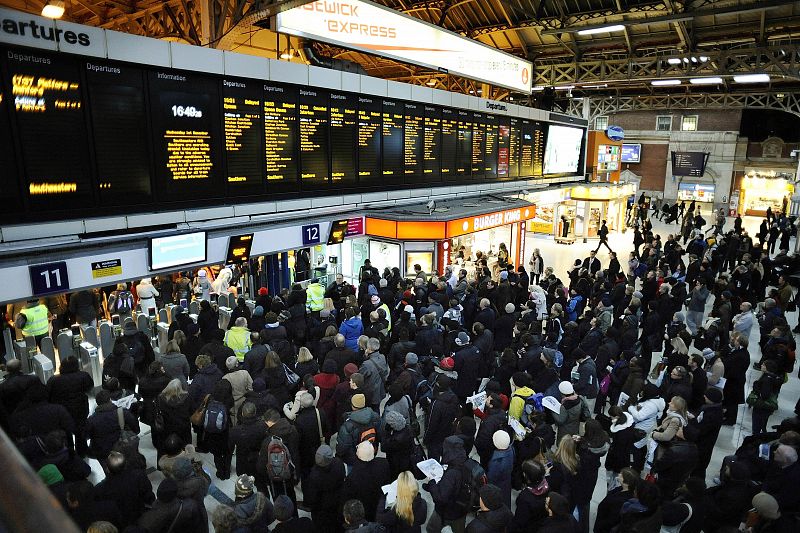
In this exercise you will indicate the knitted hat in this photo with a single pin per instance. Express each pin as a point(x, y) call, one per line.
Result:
point(504, 274)
point(448, 363)
point(350, 369)
point(365, 451)
point(510, 308)
point(714, 394)
point(395, 420)
point(491, 496)
point(263, 291)
point(306, 400)
point(553, 356)
point(245, 485)
point(383, 283)
point(231, 362)
point(462, 339)
point(182, 468)
point(167, 490)
point(323, 455)
point(501, 440)
point(50, 474)
point(375, 300)
point(708, 353)
point(329, 366)
point(766, 505)
point(411, 359)
point(358, 401)
point(258, 311)
point(566, 388)
point(283, 508)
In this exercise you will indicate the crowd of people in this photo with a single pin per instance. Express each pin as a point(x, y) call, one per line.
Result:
point(323, 401)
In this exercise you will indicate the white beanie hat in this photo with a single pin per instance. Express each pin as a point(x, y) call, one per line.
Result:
point(501, 440)
point(566, 388)
point(365, 451)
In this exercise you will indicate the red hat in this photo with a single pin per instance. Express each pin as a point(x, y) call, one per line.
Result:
point(263, 291)
point(350, 369)
point(407, 295)
point(448, 363)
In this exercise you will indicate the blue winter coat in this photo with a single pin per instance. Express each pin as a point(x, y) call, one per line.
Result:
point(499, 472)
point(352, 329)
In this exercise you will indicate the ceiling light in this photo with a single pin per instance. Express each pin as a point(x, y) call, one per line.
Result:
point(694, 59)
point(660, 83)
point(565, 88)
point(54, 9)
point(674, 61)
point(534, 89)
point(286, 55)
point(471, 91)
point(431, 82)
point(602, 29)
point(703, 59)
point(599, 86)
point(685, 59)
point(751, 78)
point(706, 81)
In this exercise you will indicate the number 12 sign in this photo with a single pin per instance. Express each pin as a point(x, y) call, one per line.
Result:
point(49, 278)
point(310, 234)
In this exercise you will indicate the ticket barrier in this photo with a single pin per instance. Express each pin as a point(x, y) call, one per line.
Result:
point(224, 301)
point(107, 337)
point(48, 349)
point(8, 343)
point(90, 362)
point(251, 304)
point(42, 367)
point(162, 336)
point(143, 324)
point(224, 317)
point(67, 343)
point(21, 353)
point(194, 307)
point(163, 315)
point(90, 335)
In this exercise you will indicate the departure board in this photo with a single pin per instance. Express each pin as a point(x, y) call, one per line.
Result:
point(539, 133)
point(344, 138)
point(48, 109)
point(478, 145)
point(432, 143)
point(242, 118)
point(503, 143)
point(9, 178)
point(449, 143)
point(513, 148)
point(119, 131)
point(414, 140)
point(369, 140)
point(490, 155)
point(526, 150)
point(280, 137)
point(314, 117)
point(464, 152)
point(392, 134)
point(187, 140)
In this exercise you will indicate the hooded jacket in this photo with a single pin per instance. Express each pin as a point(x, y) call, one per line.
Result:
point(375, 372)
point(352, 328)
point(669, 427)
point(569, 417)
point(491, 521)
point(254, 512)
point(446, 491)
point(623, 437)
point(517, 404)
point(350, 433)
point(444, 409)
point(645, 415)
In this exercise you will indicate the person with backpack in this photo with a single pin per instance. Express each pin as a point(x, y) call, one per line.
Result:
point(171, 513)
point(368, 475)
point(572, 412)
point(120, 302)
point(361, 424)
point(468, 364)
point(375, 372)
point(120, 365)
point(216, 423)
point(452, 495)
point(241, 383)
point(139, 347)
point(279, 459)
point(324, 490)
point(103, 428)
point(521, 391)
point(444, 411)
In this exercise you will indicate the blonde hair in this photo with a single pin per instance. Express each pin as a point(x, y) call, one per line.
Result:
point(304, 355)
point(272, 360)
point(407, 490)
point(681, 404)
point(174, 391)
point(679, 345)
point(202, 361)
point(179, 337)
point(565, 454)
point(173, 346)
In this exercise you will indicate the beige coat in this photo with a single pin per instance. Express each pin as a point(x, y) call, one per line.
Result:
point(241, 383)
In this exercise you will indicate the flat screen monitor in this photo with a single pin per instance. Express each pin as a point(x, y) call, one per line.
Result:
point(632, 153)
point(177, 250)
point(239, 248)
point(689, 163)
point(562, 153)
point(338, 232)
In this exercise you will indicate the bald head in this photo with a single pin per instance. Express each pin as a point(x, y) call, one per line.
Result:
point(241, 322)
point(338, 341)
point(785, 455)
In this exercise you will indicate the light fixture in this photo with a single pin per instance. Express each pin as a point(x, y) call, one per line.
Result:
point(599, 86)
point(288, 54)
point(703, 59)
point(674, 61)
point(685, 59)
point(661, 83)
point(694, 59)
point(564, 88)
point(471, 91)
point(713, 80)
point(53, 9)
point(431, 83)
point(751, 78)
point(535, 89)
point(602, 29)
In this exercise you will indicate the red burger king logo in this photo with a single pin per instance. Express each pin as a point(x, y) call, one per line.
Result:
point(524, 75)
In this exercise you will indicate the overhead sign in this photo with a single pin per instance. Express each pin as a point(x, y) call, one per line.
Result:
point(239, 248)
point(310, 234)
point(107, 268)
point(376, 29)
point(615, 133)
point(49, 278)
point(463, 226)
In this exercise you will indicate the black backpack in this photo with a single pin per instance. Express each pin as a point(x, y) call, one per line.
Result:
point(215, 419)
point(135, 348)
point(473, 477)
point(124, 302)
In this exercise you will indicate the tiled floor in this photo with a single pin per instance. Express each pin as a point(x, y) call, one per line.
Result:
point(561, 258)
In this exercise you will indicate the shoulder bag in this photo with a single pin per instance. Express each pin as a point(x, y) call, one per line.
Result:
point(197, 417)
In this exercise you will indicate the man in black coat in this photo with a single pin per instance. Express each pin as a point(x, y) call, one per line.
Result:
point(675, 466)
point(468, 365)
point(444, 410)
point(736, 361)
point(16, 384)
point(342, 355)
point(368, 475)
point(102, 428)
point(69, 389)
point(704, 428)
point(245, 439)
point(170, 513)
point(494, 420)
point(217, 350)
point(128, 487)
point(36, 417)
point(486, 314)
point(445, 492)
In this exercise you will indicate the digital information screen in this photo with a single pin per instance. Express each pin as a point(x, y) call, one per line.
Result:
point(119, 131)
point(689, 163)
point(9, 177)
point(449, 148)
point(392, 133)
point(344, 138)
point(337, 232)
point(49, 111)
point(432, 143)
point(369, 140)
point(490, 155)
point(478, 145)
point(503, 143)
point(514, 143)
point(464, 157)
point(314, 172)
point(280, 136)
point(526, 149)
point(177, 250)
point(187, 140)
point(242, 118)
point(239, 248)
point(631, 153)
point(539, 138)
point(563, 150)
point(414, 140)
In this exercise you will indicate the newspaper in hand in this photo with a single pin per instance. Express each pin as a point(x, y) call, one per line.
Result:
point(432, 469)
point(478, 400)
point(390, 491)
point(519, 431)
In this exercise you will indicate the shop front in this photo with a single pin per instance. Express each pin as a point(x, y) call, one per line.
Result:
point(588, 205)
point(759, 191)
point(697, 192)
point(547, 210)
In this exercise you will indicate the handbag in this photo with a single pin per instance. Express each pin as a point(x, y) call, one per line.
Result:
point(319, 427)
point(127, 438)
point(291, 377)
point(605, 384)
point(197, 417)
point(158, 418)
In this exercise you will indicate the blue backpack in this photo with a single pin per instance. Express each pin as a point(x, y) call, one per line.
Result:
point(215, 419)
point(533, 403)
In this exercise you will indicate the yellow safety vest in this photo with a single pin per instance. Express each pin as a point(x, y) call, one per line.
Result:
point(36, 322)
point(388, 314)
point(316, 297)
point(238, 339)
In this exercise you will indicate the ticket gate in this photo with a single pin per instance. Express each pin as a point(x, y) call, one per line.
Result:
point(42, 367)
point(21, 353)
point(48, 349)
point(143, 324)
point(251, 304)
point(162, 336)
point(194, 307)
point(163, 316)
point(66, 343)
point(90, 362)
point(224, 301)
point(224, 317)
point(8, 344)
point(107, 337)
point(90, 335)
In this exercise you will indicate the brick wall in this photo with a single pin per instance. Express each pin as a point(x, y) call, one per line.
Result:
point(653, 166)
point(708, 120)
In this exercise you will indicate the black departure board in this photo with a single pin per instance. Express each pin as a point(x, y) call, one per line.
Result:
point(464, 152)
point(369, 140)
point(539, 132)
point(526, 150)
point(392, 134)
point(48, 108)
point(9, 178)
point(449, 155)
point(490, 155)
point(503, 146)
point(119, 131)
point(514, 141)
point(478, 145)
point(414, 140)
point(432, 143)
point(243, 125)
point(314, 115)
point(280, 136)
point(187, 136)
point(344, 138)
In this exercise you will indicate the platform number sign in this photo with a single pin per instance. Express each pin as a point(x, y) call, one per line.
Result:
point(49, 278)
point(311, 234)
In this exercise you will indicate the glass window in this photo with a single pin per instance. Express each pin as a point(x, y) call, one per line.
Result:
point(601, 123)
point(664, 123)
point(689, 123)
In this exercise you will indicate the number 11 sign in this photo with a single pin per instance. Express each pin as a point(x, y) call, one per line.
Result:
point(49, 278)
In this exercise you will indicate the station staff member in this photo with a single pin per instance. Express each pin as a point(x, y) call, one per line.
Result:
point(316, 297)
point(34, 321)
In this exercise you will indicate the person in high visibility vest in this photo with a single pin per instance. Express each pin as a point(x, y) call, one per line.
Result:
point(315, 293)
point(376, 302)
point(238, 338)
point(34, 321)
